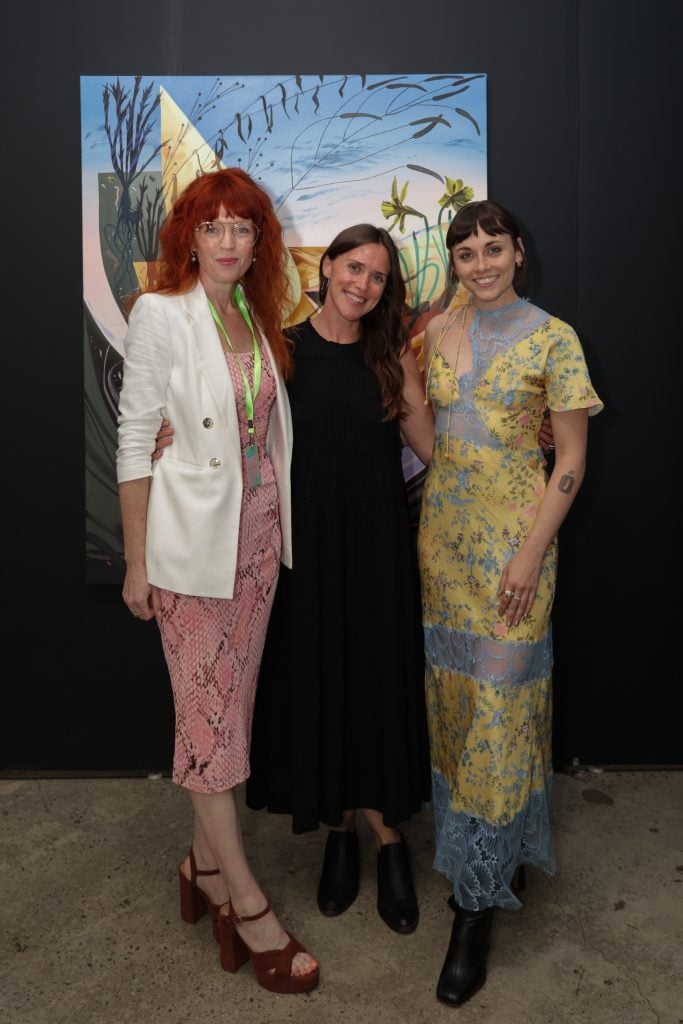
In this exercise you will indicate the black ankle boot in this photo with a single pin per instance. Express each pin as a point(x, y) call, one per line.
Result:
point(338, 885)
point(464, 969)
point(396, 900)
point(518, 883)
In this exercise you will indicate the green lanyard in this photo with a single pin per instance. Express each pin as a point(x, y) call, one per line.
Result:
point(249, 397)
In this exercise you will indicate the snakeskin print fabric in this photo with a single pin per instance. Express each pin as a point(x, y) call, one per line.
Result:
point(213, 646)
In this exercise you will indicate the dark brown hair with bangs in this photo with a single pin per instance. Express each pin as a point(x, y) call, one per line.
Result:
point(266, 285)
point(493, 219)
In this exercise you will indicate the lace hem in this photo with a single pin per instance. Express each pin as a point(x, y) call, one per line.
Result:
point(480, 858)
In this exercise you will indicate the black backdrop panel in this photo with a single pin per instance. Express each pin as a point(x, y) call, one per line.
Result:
point(578, 127)
point(620, 625)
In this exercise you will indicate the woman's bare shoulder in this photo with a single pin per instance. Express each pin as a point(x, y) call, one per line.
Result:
point(432, 331)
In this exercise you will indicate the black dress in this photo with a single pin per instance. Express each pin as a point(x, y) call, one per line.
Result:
point(339, 720)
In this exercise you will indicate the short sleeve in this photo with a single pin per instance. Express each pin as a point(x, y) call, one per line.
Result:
point(568, 384)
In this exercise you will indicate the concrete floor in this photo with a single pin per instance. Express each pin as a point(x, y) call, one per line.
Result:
point(91, 932)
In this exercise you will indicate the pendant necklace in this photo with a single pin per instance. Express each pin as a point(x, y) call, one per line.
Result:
point(454, 366)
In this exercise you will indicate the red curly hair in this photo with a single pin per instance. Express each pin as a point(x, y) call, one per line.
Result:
point(266, 285)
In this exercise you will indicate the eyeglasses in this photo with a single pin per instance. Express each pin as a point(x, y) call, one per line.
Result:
point(242, 230)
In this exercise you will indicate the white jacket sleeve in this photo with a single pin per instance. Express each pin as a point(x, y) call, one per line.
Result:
point(146, 374)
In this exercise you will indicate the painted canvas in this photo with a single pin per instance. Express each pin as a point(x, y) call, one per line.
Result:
point(401, 151)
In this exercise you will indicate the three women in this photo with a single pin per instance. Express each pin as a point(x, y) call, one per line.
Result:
point(339, 723)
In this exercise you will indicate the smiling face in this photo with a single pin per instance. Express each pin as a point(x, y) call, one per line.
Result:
point(223, 260)
point(486, 266)
point(356, 281)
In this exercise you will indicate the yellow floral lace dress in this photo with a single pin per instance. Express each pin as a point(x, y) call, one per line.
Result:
point(488, 686)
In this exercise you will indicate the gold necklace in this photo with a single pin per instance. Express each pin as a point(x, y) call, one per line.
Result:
point(442, 333)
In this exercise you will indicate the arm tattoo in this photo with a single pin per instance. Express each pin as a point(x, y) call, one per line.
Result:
point(566, 483)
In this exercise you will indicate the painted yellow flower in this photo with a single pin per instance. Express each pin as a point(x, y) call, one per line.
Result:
point(457, 194)
point(396, 208)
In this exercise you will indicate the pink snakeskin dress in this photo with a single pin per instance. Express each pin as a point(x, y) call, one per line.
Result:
point(213, 646)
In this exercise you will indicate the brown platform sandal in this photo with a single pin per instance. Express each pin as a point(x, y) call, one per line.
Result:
point(235, 953)
point(194, 902)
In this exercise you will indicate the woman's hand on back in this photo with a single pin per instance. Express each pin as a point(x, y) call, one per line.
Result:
point(164, 438)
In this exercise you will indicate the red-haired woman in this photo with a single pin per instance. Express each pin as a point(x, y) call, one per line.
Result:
point(206, 528)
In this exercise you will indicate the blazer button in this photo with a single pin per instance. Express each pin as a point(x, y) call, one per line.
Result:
point(208, 422)
point(214, 463)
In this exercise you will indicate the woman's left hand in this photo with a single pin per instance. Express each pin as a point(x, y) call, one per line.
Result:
point(518, 586)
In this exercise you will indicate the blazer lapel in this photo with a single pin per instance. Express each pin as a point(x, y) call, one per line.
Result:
point(210, 354)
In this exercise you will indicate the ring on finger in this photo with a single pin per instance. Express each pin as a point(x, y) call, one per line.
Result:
point(515, 598)
point(508, 593)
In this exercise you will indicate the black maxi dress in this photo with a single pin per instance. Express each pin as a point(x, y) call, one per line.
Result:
point(339, 720)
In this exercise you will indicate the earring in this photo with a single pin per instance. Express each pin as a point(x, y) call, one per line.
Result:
point(518, 261)
point(193, 255)
point(253, 258)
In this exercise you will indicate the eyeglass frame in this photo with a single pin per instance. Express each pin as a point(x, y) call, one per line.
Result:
point(232, 224)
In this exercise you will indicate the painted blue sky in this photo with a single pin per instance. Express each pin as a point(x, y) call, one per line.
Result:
point(326, 148)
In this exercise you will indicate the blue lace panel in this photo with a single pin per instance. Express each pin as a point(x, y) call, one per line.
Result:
point(480, 858)
point(491, 333)
point(495, 661)
point(464, 422)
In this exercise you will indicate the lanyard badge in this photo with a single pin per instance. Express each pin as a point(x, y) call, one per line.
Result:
point(251, 456)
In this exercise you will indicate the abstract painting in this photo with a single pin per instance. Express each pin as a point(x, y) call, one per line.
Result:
point(401, 151)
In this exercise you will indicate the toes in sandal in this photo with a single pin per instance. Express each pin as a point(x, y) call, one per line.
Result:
point(273, 968)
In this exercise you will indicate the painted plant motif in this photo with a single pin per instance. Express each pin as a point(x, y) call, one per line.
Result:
point(331, 150)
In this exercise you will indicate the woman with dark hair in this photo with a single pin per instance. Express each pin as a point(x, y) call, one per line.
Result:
point(339, 723)
point(204, 530)
point(488, 552)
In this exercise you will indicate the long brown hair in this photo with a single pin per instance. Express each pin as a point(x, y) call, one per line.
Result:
point(266, 285)
point(384, 335)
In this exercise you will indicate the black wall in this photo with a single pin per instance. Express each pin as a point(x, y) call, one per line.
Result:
point(582, 110)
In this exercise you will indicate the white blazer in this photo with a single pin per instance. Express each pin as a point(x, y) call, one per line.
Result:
point(175, 367)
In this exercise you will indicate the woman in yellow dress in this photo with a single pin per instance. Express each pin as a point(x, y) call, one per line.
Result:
point(488, 555)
